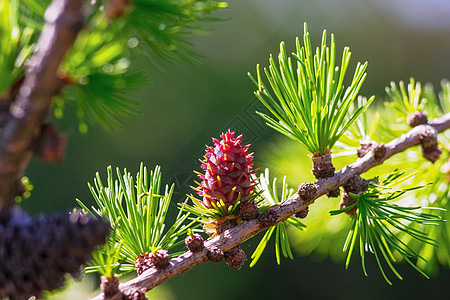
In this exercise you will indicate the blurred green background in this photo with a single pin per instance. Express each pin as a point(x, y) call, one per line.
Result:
point(186, 105)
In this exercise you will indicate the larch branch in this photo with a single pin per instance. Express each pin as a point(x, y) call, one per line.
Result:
point(64, 19)
point(233, 237)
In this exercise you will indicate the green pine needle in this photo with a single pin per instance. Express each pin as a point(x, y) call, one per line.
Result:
point(378, 223)
point(16, 44)
point(137, 211)
point(162, 26)
point(270, 197)
point(219, 209)
point(106, 260)
point(437, 104)
point(364, 130)
point(405, 102)
point(309, 103)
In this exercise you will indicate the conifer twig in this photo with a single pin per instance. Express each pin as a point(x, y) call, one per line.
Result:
point(64, 19)
point(233, 237)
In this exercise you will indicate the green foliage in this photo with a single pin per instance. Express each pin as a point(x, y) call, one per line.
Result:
point(364, 130)
point(101, 97)
point(310, 105)
point(163, 25)
point(270, 197)
point(378, 222)
point(107, 259)
point(324, 234)
point(137, 212)
point(219, 209)
point(437, 104)
point(15, 45)
point(405, 102)
point(437, 193)
point(96, 73)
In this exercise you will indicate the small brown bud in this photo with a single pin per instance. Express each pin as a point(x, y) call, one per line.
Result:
point(416, 118)
point(302, 214)
point(226, 224)
point(433, 155)
point(307, 191)
point(322, 165)
point(429, 144)
point(268, 218)
point(194, 243)
point(248, 211)
point(356, 184)
point(235, 257)
point(51, 145)
point(160, 259)
point(116, 8)
point(215, 254)
point(142, 263)
point(334, 193)
point(379, 151)
point(346, 201)
point(135, 294)
point(364, 148)
point(109, 286)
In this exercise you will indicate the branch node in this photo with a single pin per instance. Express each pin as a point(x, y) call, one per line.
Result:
point(268, 218)
point(248, 211)
point(159, 259)
point(322, 165)
point(364, 148)
point(307, 191)
point(334, 193)
point(429, 144)
point(195, 243)
point(303, 213)
point(355, 185)
point(416, 118)
point(215, 254)
point(379, 151)
point(134, 294)
point(226, 224)
point(51, 144)
point(109, 286)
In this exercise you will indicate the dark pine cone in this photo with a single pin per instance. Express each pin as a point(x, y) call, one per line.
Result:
point(35, 254)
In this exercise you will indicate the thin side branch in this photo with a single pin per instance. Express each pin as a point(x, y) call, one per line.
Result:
point(233, 237)
point(64, 19)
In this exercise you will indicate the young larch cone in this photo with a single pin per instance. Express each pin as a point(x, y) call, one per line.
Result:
point(228, 170)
